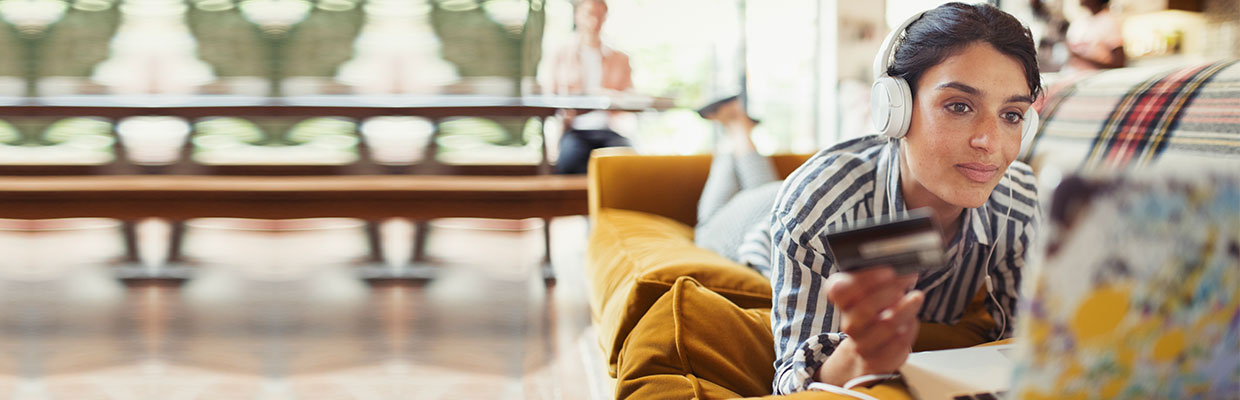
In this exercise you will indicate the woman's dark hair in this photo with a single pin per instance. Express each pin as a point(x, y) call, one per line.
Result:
point(944, 31)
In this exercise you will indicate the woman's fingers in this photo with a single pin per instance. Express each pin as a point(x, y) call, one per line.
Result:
point(878, 313)
point(907, 309)
point(847, 288)
point(909, 281)
point(859, 317)
point(893, 332)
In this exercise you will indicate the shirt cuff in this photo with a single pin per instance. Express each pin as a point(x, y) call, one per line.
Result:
point(806, 360)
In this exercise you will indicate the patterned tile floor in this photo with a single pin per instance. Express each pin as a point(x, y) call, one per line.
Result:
point(281, 316)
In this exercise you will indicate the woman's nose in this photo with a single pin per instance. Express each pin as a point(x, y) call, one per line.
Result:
point(985, 136)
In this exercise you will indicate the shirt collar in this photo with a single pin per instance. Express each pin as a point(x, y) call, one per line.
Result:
point(979, 223)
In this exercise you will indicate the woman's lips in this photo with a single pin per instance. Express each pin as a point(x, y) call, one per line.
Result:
point(977, 172)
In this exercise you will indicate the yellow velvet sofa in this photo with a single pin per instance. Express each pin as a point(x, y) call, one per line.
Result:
point(677, 321)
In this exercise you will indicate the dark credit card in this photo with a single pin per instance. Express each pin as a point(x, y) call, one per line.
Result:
point(909, 244)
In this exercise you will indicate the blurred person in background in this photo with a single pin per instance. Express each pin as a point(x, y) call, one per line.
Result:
point(587, 67)
point(1095, 42)
point(1049, 28)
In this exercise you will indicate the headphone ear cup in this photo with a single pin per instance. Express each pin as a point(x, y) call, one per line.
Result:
point(891, 106)
point(1028, 130)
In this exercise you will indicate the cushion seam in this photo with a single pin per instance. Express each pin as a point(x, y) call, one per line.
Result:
point(695, 384)
point(677, 294)
point(720, 290)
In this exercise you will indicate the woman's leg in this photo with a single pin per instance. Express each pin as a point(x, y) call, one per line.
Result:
point(736, 167)
point(721, 184)
point(738, 195)
point(739, 191)
point(746, 212)
point(754, 169)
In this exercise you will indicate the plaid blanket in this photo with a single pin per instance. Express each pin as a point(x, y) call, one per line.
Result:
point(1138, 117)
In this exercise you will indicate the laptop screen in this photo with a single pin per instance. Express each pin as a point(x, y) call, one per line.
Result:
point(1137, 293)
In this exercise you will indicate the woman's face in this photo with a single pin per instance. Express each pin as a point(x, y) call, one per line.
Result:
point(590, 16)
point(966, 126)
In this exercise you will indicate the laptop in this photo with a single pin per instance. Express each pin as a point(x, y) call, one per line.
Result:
point(1137, 295)
point(969, 373)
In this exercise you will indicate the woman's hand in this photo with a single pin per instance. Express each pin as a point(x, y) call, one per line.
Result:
point(879, 314)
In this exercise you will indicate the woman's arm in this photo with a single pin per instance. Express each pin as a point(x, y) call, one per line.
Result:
point(834, 326)
point(625, 71)
point(801, 318)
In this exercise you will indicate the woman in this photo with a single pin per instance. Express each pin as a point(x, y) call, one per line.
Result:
point(588, 67)
point(972, 74)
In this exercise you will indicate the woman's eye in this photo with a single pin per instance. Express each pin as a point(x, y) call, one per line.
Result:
point(958, 108)
point(1014, 117)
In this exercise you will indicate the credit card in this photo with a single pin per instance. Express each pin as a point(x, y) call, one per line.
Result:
point(910, 244)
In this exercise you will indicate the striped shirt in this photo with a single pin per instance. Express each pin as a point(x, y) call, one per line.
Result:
point(860, 179)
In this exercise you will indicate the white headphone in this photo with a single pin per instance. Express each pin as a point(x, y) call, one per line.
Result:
point(891, 100)
point(990, 286)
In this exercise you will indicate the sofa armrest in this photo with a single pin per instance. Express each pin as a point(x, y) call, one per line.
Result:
point(662, 185)
point(666, 185)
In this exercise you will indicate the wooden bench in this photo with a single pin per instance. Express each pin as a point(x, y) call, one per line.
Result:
point(370, 197)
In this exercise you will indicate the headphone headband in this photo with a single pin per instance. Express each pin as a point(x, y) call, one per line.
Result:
point(891, 98)
point(882, 60)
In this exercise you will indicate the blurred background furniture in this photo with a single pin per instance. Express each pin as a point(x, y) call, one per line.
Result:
point(511, 187)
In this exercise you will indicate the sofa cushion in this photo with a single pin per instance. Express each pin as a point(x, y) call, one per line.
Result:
point(634, 258)
point(694, 343)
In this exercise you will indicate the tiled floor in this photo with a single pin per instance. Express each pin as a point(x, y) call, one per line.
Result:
point(281, 316)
